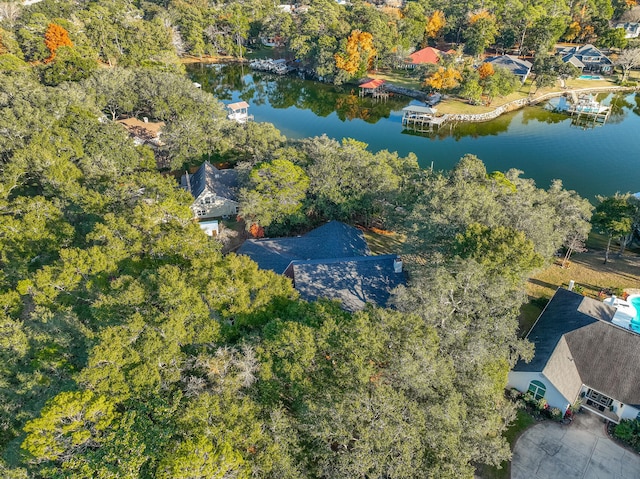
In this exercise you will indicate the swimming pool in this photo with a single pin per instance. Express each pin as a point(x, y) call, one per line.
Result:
point(590, 77)
point(634, 299)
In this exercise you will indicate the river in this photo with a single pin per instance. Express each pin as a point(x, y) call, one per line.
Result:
point(544, 145)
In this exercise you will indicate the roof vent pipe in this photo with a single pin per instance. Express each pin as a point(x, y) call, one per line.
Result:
point(397, 265)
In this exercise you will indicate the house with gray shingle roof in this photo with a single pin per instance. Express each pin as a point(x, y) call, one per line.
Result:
point(214, 191)
point(590, 57)
point(581, 354)
point(520, 68)
point(332, 261)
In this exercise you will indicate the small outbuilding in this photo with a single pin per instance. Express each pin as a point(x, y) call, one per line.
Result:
point(239, 112)
point(372, 87)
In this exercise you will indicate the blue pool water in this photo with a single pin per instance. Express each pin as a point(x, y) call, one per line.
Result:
point(635, 302)
point(590, 77)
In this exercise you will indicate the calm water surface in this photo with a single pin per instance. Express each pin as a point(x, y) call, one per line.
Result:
point(542, 144)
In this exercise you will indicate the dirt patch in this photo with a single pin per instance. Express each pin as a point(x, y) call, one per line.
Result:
point(232, 235)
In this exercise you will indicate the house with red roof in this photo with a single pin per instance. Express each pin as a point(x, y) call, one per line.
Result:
point(426, 56)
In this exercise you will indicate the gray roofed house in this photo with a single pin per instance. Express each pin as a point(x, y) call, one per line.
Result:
point(520, 68)
point(331, 240)
point(580, 353)
point(214, 191)
point(332, 261)
point(353, 281)
point(590, 57)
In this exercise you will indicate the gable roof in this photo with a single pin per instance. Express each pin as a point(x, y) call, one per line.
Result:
point(576, 332)
point(372, 83)
point(574, 60)
point(516, 65)
point(329, 241)
point(238, 105)
point(426, 55)
point(353, 281)
point(222, 183)
point(584, 53)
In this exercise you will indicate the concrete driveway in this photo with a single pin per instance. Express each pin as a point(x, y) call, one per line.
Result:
point(580, 450)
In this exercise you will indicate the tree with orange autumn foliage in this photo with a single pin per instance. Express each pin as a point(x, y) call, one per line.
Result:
point(256, 230)
point(55, 37)
point(485, 70)
point(359, 54)
point(573, 30)
point(435, 23)
point(444, 79)
point(479, 15)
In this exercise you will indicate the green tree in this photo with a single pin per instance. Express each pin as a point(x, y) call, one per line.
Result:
point(275, 193)
point(613, 38)
point(501, 250)
point(69, 65)
point(613, 216)
point(71, 422)
point(480, 34)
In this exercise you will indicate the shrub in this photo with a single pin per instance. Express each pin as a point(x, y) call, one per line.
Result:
point(543, 405)
point(628, 431)
point(556, 414)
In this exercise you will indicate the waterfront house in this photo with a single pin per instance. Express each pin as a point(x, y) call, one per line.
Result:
point(332, 261)
point(426, 56)
point(580, 354)
point(520, 68)
point(591, 57)
point(214, 191)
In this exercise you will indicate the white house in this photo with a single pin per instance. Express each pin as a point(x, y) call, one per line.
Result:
point(581, 354)
point(214, 191)
point(631, 29)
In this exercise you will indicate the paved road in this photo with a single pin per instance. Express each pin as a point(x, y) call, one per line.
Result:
point(581, 450)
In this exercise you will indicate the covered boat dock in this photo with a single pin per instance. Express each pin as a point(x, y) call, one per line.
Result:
point(421, 118)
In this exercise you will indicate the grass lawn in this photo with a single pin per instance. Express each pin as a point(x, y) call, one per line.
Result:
point(384, 243)
point(402, 78)
point(589, 273)
point(518, 426)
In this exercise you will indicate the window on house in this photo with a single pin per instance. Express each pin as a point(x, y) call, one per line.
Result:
point(537, 389)
point(201, 212)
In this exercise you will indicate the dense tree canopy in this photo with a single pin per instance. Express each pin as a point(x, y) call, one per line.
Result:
point(320, 33)
point(132, 347)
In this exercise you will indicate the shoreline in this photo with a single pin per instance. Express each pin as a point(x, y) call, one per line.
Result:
point(457, 117)
point(512, 105)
